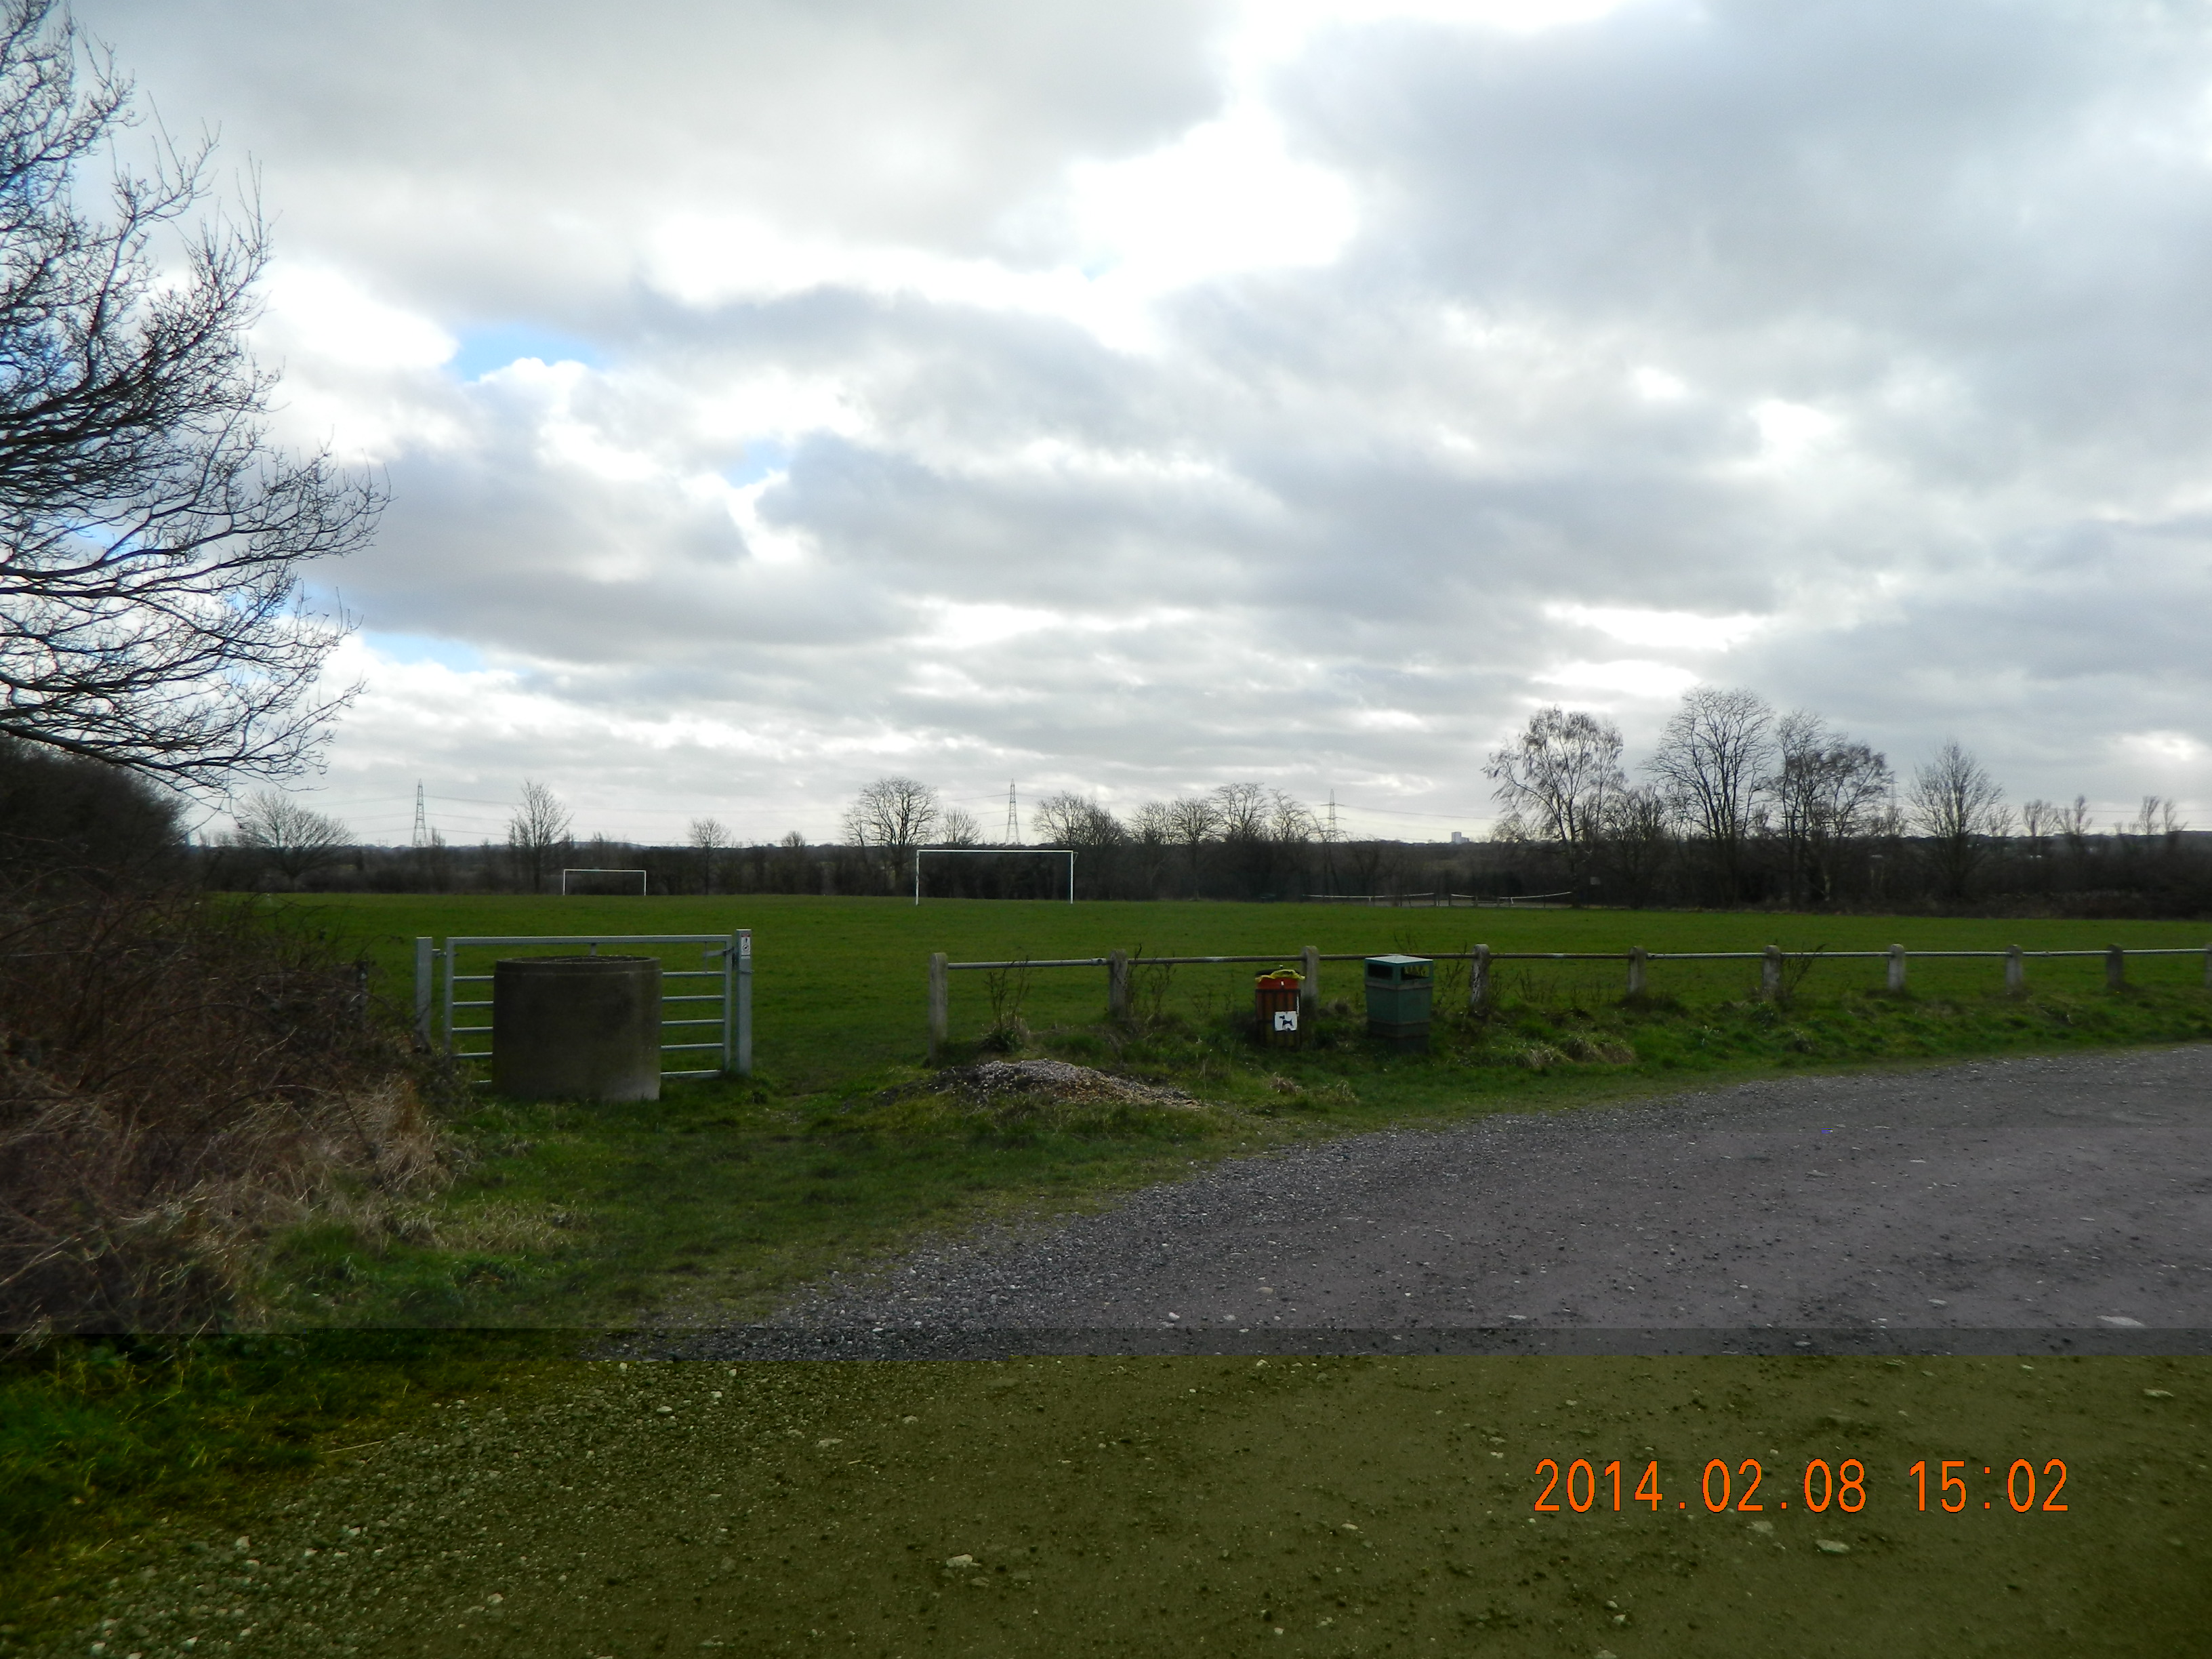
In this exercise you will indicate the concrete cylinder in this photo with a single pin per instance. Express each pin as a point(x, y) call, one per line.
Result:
point(576, 1028)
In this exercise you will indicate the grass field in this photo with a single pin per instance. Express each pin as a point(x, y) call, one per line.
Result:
point(839, 987)
point(715, 1201)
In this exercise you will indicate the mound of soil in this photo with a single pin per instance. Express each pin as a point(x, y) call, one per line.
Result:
point(1056, 1079)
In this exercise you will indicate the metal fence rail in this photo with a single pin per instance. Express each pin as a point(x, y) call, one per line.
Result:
point(436, 1003)
point(1117, 965)
point(1437, 901)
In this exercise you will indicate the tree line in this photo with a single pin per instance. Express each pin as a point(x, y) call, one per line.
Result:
point(1738, 804)
point(1741, 804)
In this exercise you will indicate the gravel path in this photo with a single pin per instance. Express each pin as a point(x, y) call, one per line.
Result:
point(2039, 1205)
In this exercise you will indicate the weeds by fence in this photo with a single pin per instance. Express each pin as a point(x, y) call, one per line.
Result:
point(1473, 971)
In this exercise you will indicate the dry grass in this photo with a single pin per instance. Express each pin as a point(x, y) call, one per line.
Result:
point(178, 1080)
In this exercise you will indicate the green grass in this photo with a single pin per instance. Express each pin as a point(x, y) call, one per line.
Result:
point(840, 984)
point(1195, 1506)
point(102, 1436)
point(715, 1201)
point(719, 1198)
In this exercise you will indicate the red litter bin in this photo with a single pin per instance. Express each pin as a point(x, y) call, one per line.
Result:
point(1275, 996)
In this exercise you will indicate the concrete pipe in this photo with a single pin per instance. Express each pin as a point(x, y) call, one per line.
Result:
point(576, 1028)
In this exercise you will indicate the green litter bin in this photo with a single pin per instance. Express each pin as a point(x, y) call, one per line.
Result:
point(1399, 990)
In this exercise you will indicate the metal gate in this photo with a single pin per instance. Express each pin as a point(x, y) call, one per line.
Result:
point(437, 1001)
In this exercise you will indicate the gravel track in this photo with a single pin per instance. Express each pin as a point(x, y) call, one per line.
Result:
point(2034, 1205)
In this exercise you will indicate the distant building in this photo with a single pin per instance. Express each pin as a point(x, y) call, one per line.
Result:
point(1458, 840)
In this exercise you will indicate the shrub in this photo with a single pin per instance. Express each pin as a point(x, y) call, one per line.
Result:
point(177, 1078)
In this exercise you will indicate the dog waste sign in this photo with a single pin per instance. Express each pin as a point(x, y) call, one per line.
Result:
point(1275, 1006)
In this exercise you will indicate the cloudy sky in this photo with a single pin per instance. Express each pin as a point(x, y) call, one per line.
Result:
point(1134, 397)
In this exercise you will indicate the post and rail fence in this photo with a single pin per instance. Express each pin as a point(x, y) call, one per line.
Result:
point(1118, 964)
point(1441, 900)
point(437, 1004)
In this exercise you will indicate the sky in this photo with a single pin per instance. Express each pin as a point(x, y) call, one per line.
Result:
point(1134, 398)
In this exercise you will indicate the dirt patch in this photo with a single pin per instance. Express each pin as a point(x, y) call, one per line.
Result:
point(997, 1080)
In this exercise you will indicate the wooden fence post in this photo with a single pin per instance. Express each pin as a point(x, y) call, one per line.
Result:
point(1478, 981)
point(1635, 961)
point(2115, 968)
point(1117, 985)
point(1897, 967)
point(2015, 970)
point(1770, 971)
point(940, 998)
point(1309, 988)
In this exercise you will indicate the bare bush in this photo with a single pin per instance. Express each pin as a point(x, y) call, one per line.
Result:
point(176, 1081)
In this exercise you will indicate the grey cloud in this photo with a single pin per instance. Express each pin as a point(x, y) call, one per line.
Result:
point(483, 153)
point(1318, 534)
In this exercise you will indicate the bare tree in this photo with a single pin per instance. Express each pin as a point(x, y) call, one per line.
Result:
point(1261, 828)
point(1957, 810)
point(1067, 819)
point(1715, 753)
point(2159, 820)
point(151, 538)
point(1290, 821)
point(1240, 812)
point(894, 814)
point(1828, 791)
point(707, 836)
point(295, 839)
point(537, 834)
point(1639, 836)
point(958, 828)
point(1556, 779)
point(1193, 822)
point(1152, 833)
point(791, 861)
point(2073, 824)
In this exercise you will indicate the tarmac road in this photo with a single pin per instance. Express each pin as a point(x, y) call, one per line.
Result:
point(2055, 1204)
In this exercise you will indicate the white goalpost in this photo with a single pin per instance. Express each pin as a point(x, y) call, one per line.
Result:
point(642, 889)
point(995, 853)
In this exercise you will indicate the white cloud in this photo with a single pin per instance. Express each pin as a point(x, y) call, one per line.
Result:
point(1628, 675)
point(1224, 198)
point(1681, 630)
point(1787, 430)
point(316, 312)
point(1138, 397)
point(2166, 751)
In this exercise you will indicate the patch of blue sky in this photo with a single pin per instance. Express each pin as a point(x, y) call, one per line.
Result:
point(484, 350)
point(760, 459)
point(456, 655)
